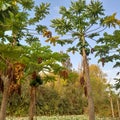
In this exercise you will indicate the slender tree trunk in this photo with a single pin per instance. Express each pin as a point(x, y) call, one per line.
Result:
point(111, 104)
point(118, 105)
point(4, 99)
point(89, 89)
point(32, 109)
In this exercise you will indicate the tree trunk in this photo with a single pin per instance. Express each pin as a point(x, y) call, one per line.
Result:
point(32, 109)
point(112, 109)
point(4, 99)
point(118, 105)
point(89, 89)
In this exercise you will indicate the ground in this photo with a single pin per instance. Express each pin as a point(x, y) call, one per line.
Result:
point(57, 117)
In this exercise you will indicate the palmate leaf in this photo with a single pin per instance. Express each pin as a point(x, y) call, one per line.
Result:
point(95, 8)
point(68, 41)
point(62, 26)
point(117, 64)
point(5, 14)
point(78, 6)
point(110, 48)
point(27, 4)
point(60, 57)
point(56, 68)
point(116, 35)
point(52, 40)
point(51, 61)
point(64, 41)
point(101, 50)
point(31, 39)
point(93, 35)
point(72, 49)
point(64, 12)
point(74, 34)
point(40, 28)
point(40, 13)
point(61, 42)
point(110, 20)
point(11, 52)
point(117, 84)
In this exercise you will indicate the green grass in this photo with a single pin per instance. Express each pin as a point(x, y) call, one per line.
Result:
point(69, 117)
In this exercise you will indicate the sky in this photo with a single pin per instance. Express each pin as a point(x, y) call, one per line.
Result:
point(110, 6)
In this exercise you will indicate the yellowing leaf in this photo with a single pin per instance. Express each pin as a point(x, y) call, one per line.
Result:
point(47, 33)
point(53, 40)
point(110, 20)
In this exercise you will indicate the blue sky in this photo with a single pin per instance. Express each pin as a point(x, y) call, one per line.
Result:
point(110, 7)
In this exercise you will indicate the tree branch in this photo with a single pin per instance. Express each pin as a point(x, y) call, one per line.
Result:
point(93, 30)
point(88, 28)
point(91, 39)
point(4, 60)
point(101, 30)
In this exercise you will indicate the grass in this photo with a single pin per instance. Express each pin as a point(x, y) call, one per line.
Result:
point(69, 117)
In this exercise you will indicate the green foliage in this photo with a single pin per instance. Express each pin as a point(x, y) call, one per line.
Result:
point(14, 17)
point(11, 18)
point(93, 35)
point(62, 26)
point(78, 21)
point(69, 100)
point(31, 39)
point(27, 4)
point(40, 28)
point(35, 57)
point(40, 12)
point(117, 84)
point(109, 48)
point(11, 53)
point(50, 59)
point(78, 16)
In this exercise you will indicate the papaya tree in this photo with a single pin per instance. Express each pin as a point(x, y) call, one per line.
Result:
point(15, 19)
point(8, 71)
point(40, 62)
point(17, 58)
point(10, 20)
point(83, 22)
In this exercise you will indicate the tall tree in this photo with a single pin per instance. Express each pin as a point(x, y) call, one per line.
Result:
point(40, 59)
point(14, 21)
point(81, 21)
point(15, 18)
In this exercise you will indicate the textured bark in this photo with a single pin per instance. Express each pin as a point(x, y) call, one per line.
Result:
point(89, 89)
point(112, 109)
point(118, 105)
point(32, 109)
point(4, 99)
